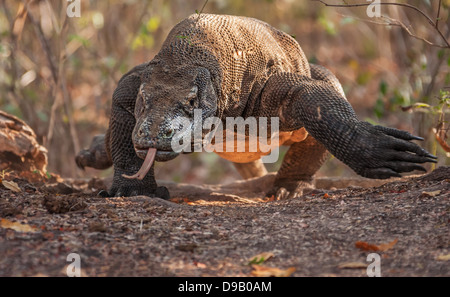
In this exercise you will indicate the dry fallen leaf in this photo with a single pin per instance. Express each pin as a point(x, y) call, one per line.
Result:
point(432, 194)
point(444, 257)
point(11, 185)
point(260, 258)
point(366, 246)
point(352, 265)
point(387, 246)
point(7, 224)
point(263, 271)
point(373, 248)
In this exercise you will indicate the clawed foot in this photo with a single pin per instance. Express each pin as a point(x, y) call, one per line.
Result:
point(124, 187)
point(380, 152)
point(160, 192)
point(289, 190)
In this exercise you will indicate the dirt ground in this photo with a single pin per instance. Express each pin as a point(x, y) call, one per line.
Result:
point(217, 230)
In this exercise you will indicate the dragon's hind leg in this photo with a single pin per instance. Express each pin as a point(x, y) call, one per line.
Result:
point(300, 163)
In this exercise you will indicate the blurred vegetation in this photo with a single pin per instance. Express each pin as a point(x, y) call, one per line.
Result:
point(58, 73)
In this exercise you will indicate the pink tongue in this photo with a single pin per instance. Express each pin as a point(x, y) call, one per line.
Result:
point(148, 162)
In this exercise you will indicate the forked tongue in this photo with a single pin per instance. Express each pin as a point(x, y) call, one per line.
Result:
point(148, 162)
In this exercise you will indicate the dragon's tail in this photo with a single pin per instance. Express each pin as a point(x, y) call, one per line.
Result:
point(96, 156)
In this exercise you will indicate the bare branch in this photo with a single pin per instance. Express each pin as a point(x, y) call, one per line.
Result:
point(393, 22)
point(434, 24)
point(58, 78)
point(438, 14)
point(44, 44)
point(203, 7)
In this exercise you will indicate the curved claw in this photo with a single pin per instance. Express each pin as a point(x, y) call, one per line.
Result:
point(103, 194)
point(398, 133)
point(380, 173)
point(81, 159)
point(381, 152)
point(404, 167)
point(408, 157)
point(160, 192)
point(405, 146)
point(289, 189)
point(277, 194)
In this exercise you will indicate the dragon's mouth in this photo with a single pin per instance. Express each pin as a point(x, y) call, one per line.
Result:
point(150, 155)
point(161, 155)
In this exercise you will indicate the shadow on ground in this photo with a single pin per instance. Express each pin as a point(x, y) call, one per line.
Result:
point(216, 230)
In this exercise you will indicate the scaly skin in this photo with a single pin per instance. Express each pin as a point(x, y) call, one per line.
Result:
point(235, 66)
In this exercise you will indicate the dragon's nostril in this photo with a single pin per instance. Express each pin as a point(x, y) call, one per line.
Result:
point(169, 133)
point(141, 132)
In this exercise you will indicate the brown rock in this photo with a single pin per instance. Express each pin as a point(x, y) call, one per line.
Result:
point(19, 149)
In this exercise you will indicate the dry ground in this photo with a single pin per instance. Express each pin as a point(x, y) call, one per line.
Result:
point(215, 230)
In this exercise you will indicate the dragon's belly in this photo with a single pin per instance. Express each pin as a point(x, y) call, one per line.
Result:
point(250, 149)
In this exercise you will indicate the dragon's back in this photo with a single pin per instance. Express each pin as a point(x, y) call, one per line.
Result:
point(240, 52)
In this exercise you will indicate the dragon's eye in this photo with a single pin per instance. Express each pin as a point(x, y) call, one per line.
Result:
point(140, 105)
point(140, 102)
point(192, 95)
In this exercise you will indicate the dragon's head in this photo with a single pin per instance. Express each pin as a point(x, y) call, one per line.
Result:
point(165, 107)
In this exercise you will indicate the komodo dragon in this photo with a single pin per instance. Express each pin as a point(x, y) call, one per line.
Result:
point(230, 66)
